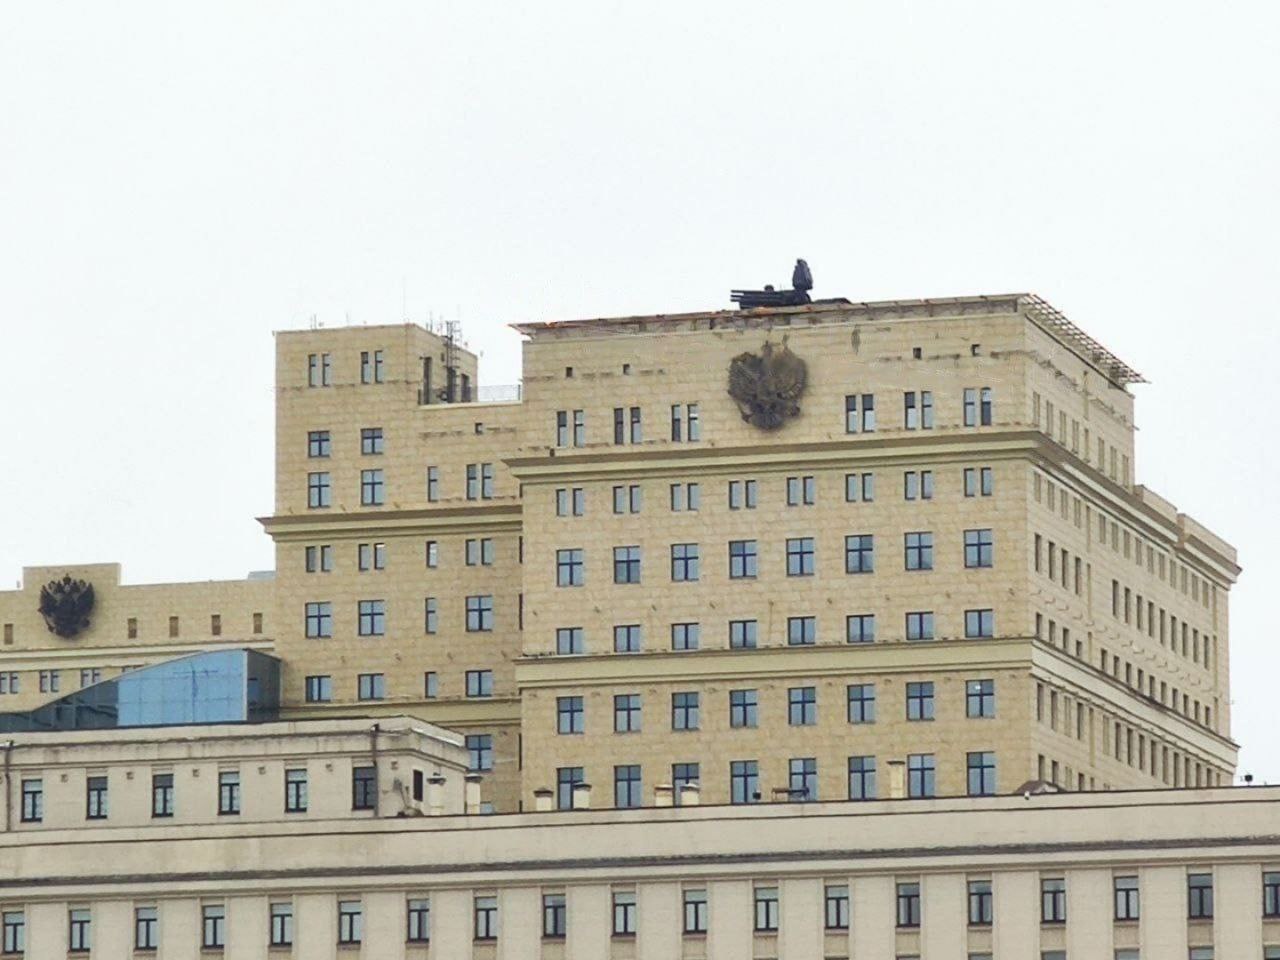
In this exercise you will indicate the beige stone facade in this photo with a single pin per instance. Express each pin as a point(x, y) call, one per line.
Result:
point(1106, 663)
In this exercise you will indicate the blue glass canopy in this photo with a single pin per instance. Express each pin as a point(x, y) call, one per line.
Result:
point(220, 686)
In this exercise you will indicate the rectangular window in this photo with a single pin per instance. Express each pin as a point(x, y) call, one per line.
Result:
point(802, 631)
point(684, 563)
point(479, 614)
point(626, 713)
point(859, 413)
point(626, 564)
point(918, 551)
point(859, 487)
point(295, 791)
point(1271, 894)
point(744, 781)
point(479, 683)
point(79, 932)
point(566, 779)
point(554, 916)
point(862, 702)
point(486, 918)
point(371, 686)
point(836, 907)
point(920, 701)
point(1200, 896)
point(418, 914)
point(569, 715)
point(146, 935)
point(433, 484)
point(978, 482)
point(213, 927)
point(430, 685)
point(350, 922)
point(742, 634)
point(978, 549)
point(684, 636)
point(479, 752)
point(920, 775)
point(766, 912)
point(162, 795)
point(979, 624)
point(627, 788)
point(32, 801)
point(862, 778)
point(1053, 900)
point(318, 444)
point(802, 706)
point(95, 807)
point(684, 711)
point(743, 705)
point(800, 556)
point(980, 903)
point(1126, 897)
point(317, 490)
point(920, 625)
point(371, 440)
point(908, 897)
point(695, 911)
point(570, 640)
point(624, 914)
point(372, 488)
point(432, 551)
point(801, 491)
point(685, 497)
point(570, 567)
point(742, 559)
point(980, 698)
point(982, 774)
point(802, 783)
point(372, 618)
point(229, 792)
point(859, 553)
point(917, 485)
point(364, 788)
point(627, 499)
point(742, 494)
point(50, 681)
point(626, 638)
point(683, 774)
point(319, 370)
point(860, 628)
point(685, 423)
point(319, 689)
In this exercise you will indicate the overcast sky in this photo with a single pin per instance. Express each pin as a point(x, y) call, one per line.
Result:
point(177, 180)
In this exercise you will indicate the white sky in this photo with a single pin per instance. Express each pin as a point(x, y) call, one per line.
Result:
point(177, 180)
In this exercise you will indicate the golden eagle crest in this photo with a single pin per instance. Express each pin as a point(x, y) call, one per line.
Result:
point(65, 605)
point(767, 387)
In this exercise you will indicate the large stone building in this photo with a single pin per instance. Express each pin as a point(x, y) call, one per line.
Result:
point(892, 553)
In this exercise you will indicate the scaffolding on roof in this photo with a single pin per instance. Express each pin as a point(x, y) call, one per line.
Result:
point(1056, 324)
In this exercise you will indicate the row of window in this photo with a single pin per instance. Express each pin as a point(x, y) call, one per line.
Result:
point(1118, 470)
point(50, 681)
point(685, 425)
point(131, 628)
point(1154, 621)
point(800, 491)
point(320, 368)
point(802, 707)
point(1162, 692)
point(766, 916)
point(373, 686)
point(295, 793)
point(320, 446)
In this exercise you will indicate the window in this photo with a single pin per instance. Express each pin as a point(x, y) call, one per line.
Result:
point(766, 919)
point(862, 778)
point(566, 779)
point(859, 413)
point(430, 685)
point(319, 559)
point(917, 485)
point(626, 425)
point(479, 552)
point(1053, 900)
point(479, 481)
point(162, 795)
point(15, 931)
point(684, 636)
point(371, 686)
point(569, 568)
point(350, 921)
point(908, 904)
point(977, 407)
point(982, 774)
point(920, 625)
point(370, 440)
point(371, 366)
point(980, 698)
point(214, 926)
point(920, 775)
point(684, 563)
point(372, 618)
point(860, 628)
point(920, 701)
point(626, 713)
point(318, 370)
point(87, 679)
point(626, 638)
point(684, 711)
point(626, 499)
point(364, 788)
point(553, 915)
point(433, 484)
point(685, 423)
point(433, 554)
point(742, 559)
point(32, 801)
point(742, 494)
point(917, 410)
point(95, 807)
point(624, 914)
point(318, 444)
point(570, 640)
point(802, 631)
point(802, 783)
point(1200, 953)
point(742, 634)
point(695, 911)
point(800, 557)
point(372, 488)
point(978, 482)
point(802, 706)
point(978, 550)
point(682, 774)
point(742, 708)
point(801, 491)
point(859, 553)
point(918, 551)
point(430, 615)
point(744, 781)
point(569, 715)
point(980, 903)
point(419, 921)
point(319, 689)
point(627, 789)
point(145, 934)
point(479, 614)
point(979, 624)
point(1126, 894)
point(862, 702)
point(859, 486)
point(486, 917)
point(50, 681)
point(626, 564)
point(229, 792)
point(295, 791)
point(1200, 896)
point(319, 619)
point(1271, 894)
point(79, 933)
point(479, 683)
point(317, 490)
point(685, 496)
point(836, 911)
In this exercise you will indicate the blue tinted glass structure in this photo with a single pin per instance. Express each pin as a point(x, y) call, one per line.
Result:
point(221, 686)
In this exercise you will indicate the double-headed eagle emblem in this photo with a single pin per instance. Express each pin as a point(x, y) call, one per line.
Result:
point(767, 386)
point(65, 605)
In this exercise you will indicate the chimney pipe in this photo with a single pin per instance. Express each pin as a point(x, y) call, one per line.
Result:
point(542, 799)
point(582, 796)
point(897, 779)
point(663, 795)
point(472, 792)
point(435, 795)
point(690, 795)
